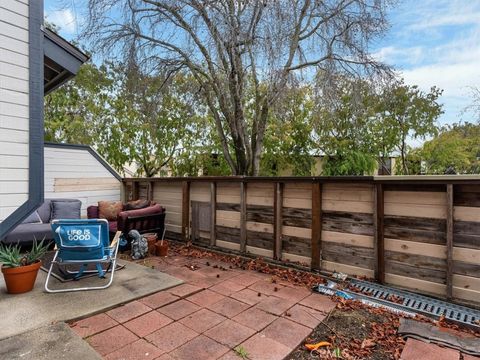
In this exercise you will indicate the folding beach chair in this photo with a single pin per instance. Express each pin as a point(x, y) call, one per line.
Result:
point(81, 242)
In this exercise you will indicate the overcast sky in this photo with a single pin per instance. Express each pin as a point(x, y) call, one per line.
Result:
point(430, 43)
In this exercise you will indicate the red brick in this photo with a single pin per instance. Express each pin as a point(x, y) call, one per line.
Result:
point(205, 298)
point(415, 349)
point(206, 282)
point(230, 333)
point(231, 355)
point(138, 350)
point(227, 287)
point(254, 318)
point(274, 305)
point(265, 287)
point(470, 357)
point(259, 347)
point(286, 332)
point(246, 279)
point(159, 299)
point(166, 357)
point(200, 348)
point(128, 311)
point(248, 296)
point(147, 323)
point(210, 271)
point(184, 290)
point(202, 320)
point(228, 307)
point(304, 315)
point(171, 336)
point(186, 274)
point(296, 293)
point(93, 325)
point(179, 309)
point(318, 302)
point(111, 340)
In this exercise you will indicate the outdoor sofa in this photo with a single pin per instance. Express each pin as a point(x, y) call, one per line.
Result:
point(37, 225)
point(142, 215)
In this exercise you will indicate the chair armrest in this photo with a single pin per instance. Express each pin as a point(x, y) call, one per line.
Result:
point(116, 239)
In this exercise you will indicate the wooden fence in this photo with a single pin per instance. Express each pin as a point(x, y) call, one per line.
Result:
point(420, 233)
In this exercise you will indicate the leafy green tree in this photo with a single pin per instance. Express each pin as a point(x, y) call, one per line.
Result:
point(455, 149)
point(406, 112)
point(343, 125)
point(129, 117)
point(288, 139)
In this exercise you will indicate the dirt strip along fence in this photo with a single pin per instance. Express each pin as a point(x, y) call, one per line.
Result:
point(420, 233)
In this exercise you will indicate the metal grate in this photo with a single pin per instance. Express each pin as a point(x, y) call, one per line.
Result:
point(411, 303)
point(420, 304)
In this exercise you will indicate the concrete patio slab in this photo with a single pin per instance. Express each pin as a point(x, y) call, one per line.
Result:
point(25, 312)
point(56, 341)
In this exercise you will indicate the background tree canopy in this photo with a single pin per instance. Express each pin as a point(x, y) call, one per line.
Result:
point(242, 55)
point(250, 88)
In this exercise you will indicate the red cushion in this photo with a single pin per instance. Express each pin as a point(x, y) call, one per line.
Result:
point(112, 226)
point(92, 212)
point(122, 217)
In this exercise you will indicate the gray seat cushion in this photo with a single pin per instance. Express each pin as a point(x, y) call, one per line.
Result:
point(24, 234)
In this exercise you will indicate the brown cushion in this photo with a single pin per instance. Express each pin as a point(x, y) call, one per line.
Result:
point(155, 209)
point(109, 209)
point(136, 204)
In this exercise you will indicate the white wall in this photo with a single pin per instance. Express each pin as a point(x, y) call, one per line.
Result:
point(14, 107)
point(76, 173)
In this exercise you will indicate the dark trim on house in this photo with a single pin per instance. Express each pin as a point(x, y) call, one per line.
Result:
point(35, 58)
point(92, 151)
point(62, 60)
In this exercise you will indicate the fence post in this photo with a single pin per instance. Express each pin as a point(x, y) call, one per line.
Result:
point(243, 216)
point(379, 239)
point(316, 225)
point(150, 191)
point(277, 220)
point(185, 210)
point(213, 212)
point(135, 190)
point(449, 234)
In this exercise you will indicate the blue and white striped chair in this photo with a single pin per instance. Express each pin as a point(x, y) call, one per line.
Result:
point(82, 242)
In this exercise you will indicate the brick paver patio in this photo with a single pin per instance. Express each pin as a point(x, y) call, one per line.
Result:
point(215, 312)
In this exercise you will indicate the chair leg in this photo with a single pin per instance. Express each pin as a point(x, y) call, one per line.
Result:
point(50, 273)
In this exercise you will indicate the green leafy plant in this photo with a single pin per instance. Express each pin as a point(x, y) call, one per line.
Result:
point(241, 352)
point(11, 255)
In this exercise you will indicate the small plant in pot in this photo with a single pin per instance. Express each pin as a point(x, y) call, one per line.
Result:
point(20, 270)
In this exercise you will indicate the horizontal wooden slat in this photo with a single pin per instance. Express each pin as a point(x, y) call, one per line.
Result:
point(423, 211)
point(467, 269)
point(415, 272)
point(411, 247)
point(418, 285)
point(465, 213)
point(416, 260)
point(344, 238)
point(347, 254)
point(296, 245)
point(347, 269)
point(426, 230)
point(466, 255)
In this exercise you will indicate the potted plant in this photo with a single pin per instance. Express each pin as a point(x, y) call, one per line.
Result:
point(20, 270)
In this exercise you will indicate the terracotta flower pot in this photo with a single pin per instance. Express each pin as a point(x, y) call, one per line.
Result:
point(21, 279)
point(162, 249)
point(151, 240)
